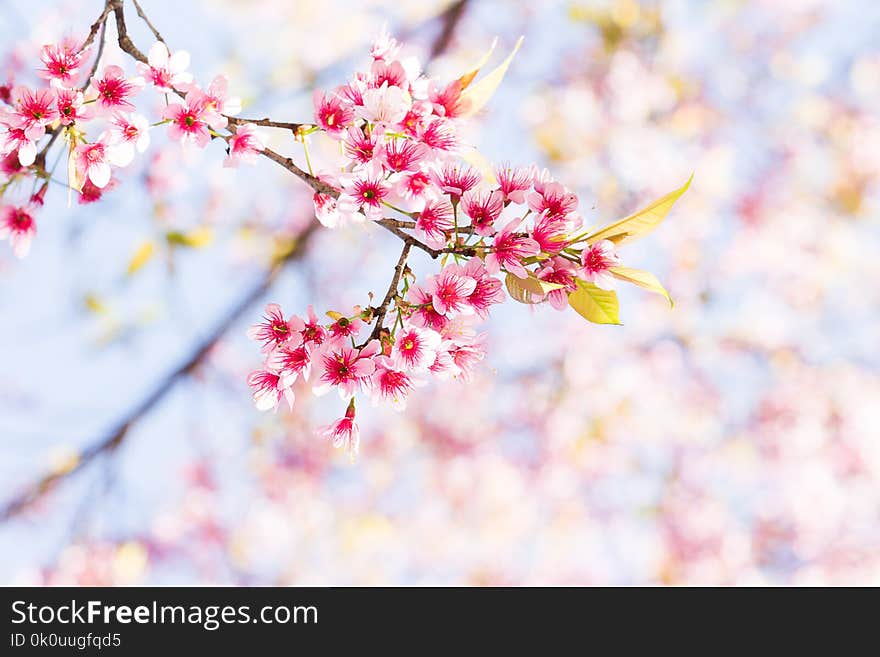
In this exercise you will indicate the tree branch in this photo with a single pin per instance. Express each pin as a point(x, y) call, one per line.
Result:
point(391, 293)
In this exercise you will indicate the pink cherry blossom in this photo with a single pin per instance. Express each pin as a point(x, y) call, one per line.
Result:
point(360, 146)
point(70, 106)
point(290, 362)
point(424, 314)
point(16, 142)
point(455, 179)
point(34, 110)
point(114, 89)
point(597, 260)
point(403, 155)
point(514, 182)
point(483, 207)
point(346, 369)
point(385, 105)
point(219, 104)
point(414, 348)
point(434, 223)
point(165, 72)
point(93, 161)
point(552, 199)
point(488, 289)
point(344, 330)
point(440, 136)
point(313, 334)
point(384, 74)
point(275, 331)
point(269, 390)
point(187, 121)
point(450, 290)
point(17, 224)
point(390, 383)
point(131, 133)
point(331, 114)
point(343, 432)
point(62, 63)
point(244, 146)
point(509, 249)
point(561, 271)
point(367, 190)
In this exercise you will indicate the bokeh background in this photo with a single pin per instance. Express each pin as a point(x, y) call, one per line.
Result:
point(731, 440)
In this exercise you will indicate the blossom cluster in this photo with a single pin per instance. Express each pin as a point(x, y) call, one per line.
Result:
point(403, 164)
point(92, 107)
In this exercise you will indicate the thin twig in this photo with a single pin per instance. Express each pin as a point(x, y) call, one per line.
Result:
point(140, 12)
point(379, 312)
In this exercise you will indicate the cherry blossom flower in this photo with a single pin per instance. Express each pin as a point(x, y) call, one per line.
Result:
point(414, 348)
point(455, 179)
point(551, 232)
point(346, 369)
point(450, 290)
point(16, 141)
point(389, 383)
point(165, 72)
point(441, 136)
point(551, 199)
point(93, 160)
point(18, 225)
point(563, 272)
point(434, 223)
point(269, 390)
point(70, 106)
point(514, 182)
point(187, 122)
point(131, 133)
point(597, 260)
point(344, 330)
point(219, 104)
point(367, 190)
point(488, 289)
point(313, 333)
point(275, 331)
point(343, 432)
point(483, 207)
point(509, 249)
point(448, 101)
point(114, 89)
point(403, 155)
point(360, 146)
point(385, 105)
point(290, 362)
point(389, 75)
point(244, 145)
point(62, 63)
point(331, 114)
point(424, 314)
point(34, 110)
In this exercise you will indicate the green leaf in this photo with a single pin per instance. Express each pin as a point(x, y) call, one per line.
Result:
point(642, 222)
point(595, 304)
point(643, 279)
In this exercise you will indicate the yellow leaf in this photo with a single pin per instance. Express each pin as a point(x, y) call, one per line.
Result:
point(642, 222)
point(468, 77)
point(643, 279)
point(522, 289)
point(478, 94)
point(332, 314)
point(94, 304)
point(595, 304)
point(473, 157)
point(194, 239)
point(141, 256)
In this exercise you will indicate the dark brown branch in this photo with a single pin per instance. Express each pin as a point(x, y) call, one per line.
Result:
point(143, 16)
point(267, 123)
point(379, 313)
point(449, 21)
point(125, 41)
point(93, 30)
point(310, 180)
